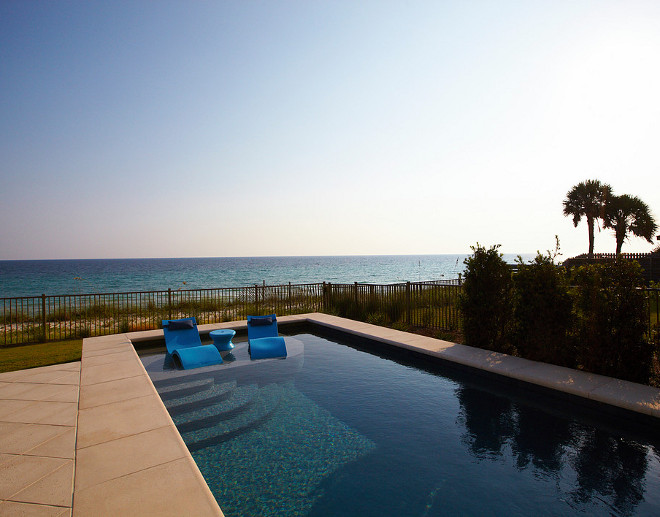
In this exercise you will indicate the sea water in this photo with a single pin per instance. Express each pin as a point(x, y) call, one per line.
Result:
point(55, 277)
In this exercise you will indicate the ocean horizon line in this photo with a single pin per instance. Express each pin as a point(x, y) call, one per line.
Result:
point(34, 277)
point(266, 256)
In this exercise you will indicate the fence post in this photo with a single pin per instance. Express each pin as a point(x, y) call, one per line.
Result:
point(648, 304)
point(43, 316)
point(657, 308)
point(169, 302)
point(263, 293)
point(356, 295)
point(408, 304)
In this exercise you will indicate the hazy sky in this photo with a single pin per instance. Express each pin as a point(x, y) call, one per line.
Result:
point(175, 129)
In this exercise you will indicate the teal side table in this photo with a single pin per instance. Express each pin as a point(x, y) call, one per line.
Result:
point(222, 339)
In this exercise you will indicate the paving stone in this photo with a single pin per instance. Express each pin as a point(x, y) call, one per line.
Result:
point(56, 488)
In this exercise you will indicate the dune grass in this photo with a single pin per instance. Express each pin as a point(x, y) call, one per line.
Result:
point(40, 354)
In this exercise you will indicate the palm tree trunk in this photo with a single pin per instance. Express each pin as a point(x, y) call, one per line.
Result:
point(590, 224)
point(620, 234)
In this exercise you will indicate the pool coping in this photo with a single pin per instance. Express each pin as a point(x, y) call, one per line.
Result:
point(130, 458)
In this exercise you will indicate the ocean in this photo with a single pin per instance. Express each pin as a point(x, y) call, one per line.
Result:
point(57, 277)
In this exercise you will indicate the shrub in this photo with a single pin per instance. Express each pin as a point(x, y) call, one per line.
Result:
point(427, 316)
point(401, 325)
point(343, 304)
point(124, 327)
point(543, 312)
point(395, 307)
point(376, 318)
point(611, 309)
point(485, 302)
point(40, 334)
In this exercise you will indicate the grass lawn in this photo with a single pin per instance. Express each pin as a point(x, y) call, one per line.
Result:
point(41, 354)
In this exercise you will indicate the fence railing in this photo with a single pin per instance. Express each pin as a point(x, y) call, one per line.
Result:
point(48, 318)
point(418, 304)
point(649, 262)
point(612, 256)
point(430, 305)
point(653, 304)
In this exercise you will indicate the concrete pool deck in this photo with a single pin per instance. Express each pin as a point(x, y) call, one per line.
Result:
point(94, 438)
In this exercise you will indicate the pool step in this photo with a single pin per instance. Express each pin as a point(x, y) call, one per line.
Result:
point(265, 402)
point(207, 413)
point(205, 416)
point(213, 419)
point(176, 391)
point(215, 394)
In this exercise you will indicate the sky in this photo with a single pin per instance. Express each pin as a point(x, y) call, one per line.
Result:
point(264, 128)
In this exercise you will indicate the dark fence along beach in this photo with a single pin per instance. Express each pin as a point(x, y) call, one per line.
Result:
point(60, 317)
point(62, 299)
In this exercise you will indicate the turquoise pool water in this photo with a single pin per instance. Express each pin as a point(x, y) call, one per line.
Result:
point(338, 429)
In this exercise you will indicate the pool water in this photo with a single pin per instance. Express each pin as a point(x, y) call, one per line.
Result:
point(336, 429)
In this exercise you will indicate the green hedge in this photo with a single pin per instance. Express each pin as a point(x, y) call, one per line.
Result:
point(543, 312)
point(486, 300)
point(592, 318)
point(611, 328)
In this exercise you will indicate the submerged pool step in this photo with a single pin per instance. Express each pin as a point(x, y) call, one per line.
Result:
point(261, 410)
point(184, 389)
point(213, 420)
point(213, 395)
point(200, 417)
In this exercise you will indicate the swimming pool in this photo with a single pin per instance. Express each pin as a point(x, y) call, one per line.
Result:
point(336, 429)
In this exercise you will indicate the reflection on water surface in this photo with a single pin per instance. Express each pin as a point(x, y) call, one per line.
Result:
point(345, 429)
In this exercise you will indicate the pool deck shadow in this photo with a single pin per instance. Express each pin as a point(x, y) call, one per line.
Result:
point(94, 438)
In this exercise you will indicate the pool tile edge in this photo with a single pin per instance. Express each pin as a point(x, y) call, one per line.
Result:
point(151, 501)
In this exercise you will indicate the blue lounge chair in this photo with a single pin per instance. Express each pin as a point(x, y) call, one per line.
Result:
point(263, 339)
point(183, 343)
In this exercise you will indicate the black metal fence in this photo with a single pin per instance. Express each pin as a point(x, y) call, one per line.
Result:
point(653, 304)
point(418, 304)
point(430, 305)
point(49, 318)
point(649, 262)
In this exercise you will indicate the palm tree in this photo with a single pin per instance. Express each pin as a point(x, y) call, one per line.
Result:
point(588, 199)
point(629, 214)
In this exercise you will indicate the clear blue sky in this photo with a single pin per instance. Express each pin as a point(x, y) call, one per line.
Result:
point(174, 129)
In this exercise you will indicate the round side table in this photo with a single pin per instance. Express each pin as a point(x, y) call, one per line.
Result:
point(222, 339)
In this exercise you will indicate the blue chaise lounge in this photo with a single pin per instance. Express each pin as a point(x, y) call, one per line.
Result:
point(184, 344)
point(263, 339)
